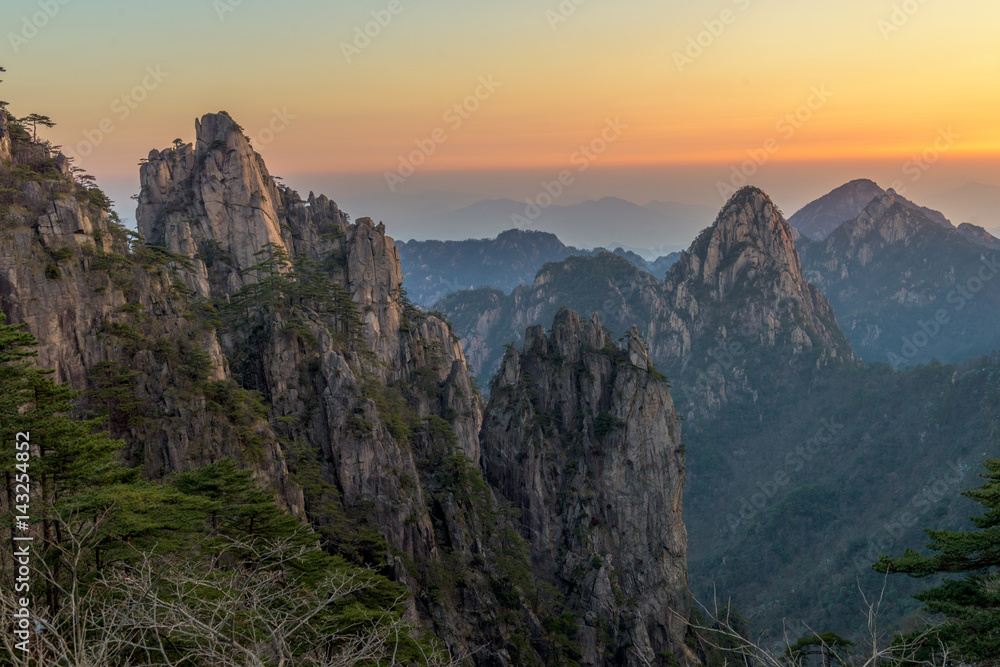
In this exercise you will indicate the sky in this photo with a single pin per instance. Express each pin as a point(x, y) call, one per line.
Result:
point(639, 99)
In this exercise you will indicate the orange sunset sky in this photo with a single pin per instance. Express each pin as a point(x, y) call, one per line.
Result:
point(827, 91)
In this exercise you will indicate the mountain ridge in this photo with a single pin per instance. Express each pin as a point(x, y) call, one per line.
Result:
point(818, 219)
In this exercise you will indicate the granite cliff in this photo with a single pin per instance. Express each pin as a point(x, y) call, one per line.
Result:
point(581, 437)
point(248, 323)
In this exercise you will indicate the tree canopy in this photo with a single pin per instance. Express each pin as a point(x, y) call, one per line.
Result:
point(969, 604)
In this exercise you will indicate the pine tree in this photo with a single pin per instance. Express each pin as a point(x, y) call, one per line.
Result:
point(971, 604)
point(112, 396)
point(233, 502)
point(36, 119)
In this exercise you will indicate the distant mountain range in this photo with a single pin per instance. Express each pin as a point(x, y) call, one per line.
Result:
point(884, 269)
point(800, 456)
point(434, 269)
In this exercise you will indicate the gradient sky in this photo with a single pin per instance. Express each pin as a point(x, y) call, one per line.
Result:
point(890, 93)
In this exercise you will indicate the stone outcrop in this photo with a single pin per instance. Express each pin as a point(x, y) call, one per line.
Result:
point(581, 436)
point(67, 272)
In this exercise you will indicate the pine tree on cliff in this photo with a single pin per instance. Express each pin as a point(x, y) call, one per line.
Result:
point(971, 604)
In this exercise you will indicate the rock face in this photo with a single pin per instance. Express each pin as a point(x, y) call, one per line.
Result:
point(4, 137)
point(252, 324)
point(581, 436)
point(339, 386)
point(890, 269)
point(103, 313)
point(742, 279)
point(818, 219)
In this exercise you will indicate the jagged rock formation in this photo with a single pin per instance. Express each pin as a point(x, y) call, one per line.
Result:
point(732, 303)
point(891, 269)
point(581, 436)
point(742, 279)
point(215, 203)
point(819, 218)
point(251, 324)
point(102, 313)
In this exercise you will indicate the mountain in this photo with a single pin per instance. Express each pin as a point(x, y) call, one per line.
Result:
point(740, 284)
point(434, 269)
point(405, 209)
point(657, 267)
point(244, 322)
point(819, 218)
point(742, 280)
point(605, 222)
point(979, 236)
point(905, 289)
point(572, 419)
point(803, 463)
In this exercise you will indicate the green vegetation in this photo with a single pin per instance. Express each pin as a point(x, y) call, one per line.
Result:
point(970, 605)
point(605, 423)
point(762, 508)
point(99, 526)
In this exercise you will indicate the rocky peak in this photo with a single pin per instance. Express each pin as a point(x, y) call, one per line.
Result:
point(889, 218)
point(818, 219)
point(213, 197)
point(748, 236)
point(581, 436)
point(742, 281)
